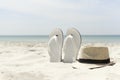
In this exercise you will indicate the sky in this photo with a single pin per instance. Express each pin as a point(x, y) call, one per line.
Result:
point(40, 17)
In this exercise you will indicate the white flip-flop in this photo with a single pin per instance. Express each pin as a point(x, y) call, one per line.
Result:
point(55, 44)
point(71, 45)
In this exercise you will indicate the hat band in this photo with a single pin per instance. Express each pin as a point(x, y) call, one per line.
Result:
point(94, 61)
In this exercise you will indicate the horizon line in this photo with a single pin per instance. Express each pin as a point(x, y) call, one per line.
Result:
point(64, 35)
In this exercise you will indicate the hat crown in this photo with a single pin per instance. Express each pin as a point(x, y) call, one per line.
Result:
point(96, 53)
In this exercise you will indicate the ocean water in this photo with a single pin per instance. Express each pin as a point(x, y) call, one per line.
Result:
point(101, 38)
point(41, 38)
point(85, 38)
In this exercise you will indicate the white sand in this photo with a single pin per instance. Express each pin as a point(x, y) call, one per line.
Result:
point(30, 61)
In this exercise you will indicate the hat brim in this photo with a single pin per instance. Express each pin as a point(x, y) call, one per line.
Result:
point(92, 66)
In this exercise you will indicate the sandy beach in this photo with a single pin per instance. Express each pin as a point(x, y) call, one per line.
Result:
point(30, 61)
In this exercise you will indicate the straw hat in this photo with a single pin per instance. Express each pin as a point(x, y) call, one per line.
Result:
point(93, 57)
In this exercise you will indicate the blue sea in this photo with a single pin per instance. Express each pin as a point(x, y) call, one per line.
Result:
point(85, 38)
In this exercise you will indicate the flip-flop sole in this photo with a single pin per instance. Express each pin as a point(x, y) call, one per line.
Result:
point(55, 45)
point(71, 45)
